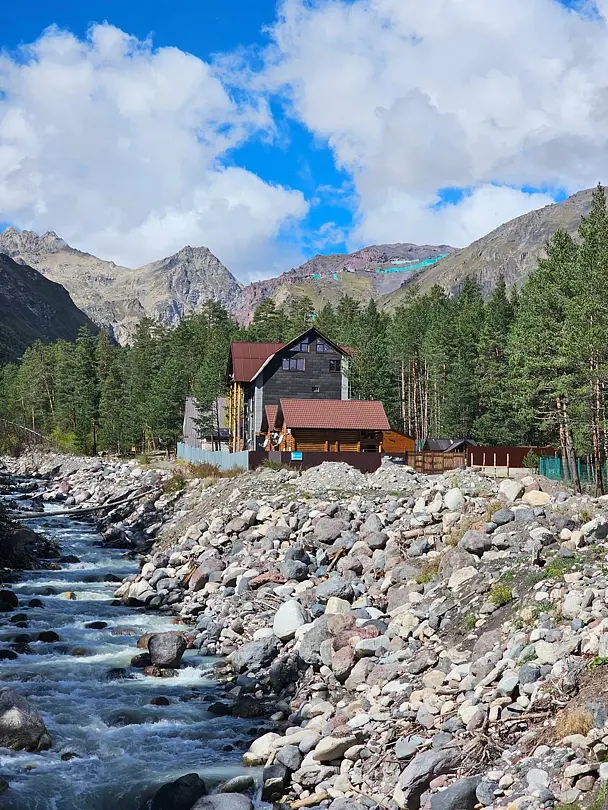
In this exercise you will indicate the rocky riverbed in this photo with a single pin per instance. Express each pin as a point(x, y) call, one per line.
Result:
point(402, 641)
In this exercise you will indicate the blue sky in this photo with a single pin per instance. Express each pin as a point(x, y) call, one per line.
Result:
point(327, 125)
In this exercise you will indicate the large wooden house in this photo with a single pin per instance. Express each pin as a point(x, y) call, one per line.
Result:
point(334, 426)
point(310, 367)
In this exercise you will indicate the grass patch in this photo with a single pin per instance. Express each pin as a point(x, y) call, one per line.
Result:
point(573, 721)
point(598, 662)
point(205, 470)
point(554, 569)
point(428, 573)
point(500, 594)
point(470, 621)
point(275, 465)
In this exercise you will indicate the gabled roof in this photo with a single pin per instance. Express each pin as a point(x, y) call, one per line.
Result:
point(247, 359)
point(332, 414)
point(269, 417)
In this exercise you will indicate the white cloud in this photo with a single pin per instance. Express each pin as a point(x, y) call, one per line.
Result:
point(120, 147)
point(416, 96)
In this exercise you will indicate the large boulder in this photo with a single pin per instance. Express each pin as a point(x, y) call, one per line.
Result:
point(21, 725)
point(421, 771)
point(255, 654)
point(166, 649)
point(453, 559)
point(287, 619)
point(511, 490)
point(180, 794)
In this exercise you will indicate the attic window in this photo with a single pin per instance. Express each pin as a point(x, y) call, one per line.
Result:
point(302, 346)
point(323, 348)
point(294, 364)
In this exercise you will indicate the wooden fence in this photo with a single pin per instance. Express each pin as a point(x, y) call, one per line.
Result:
point(436, 463)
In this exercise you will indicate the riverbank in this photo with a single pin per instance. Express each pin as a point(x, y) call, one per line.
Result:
point(414, 641)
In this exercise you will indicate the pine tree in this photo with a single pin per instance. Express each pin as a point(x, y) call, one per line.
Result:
point(495, 425)
point(114, 429)
point(301, 312)
point(269, 325)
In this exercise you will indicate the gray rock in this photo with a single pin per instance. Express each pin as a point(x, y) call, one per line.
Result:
point(254, 655)
point(529, 673)
point(224, 801)
point(459, 796)
point(166, 649)
point(180, 794)
point(334, 586)
point(511, 490)
point(310, 646)
point(21, 725)
point(502, 517)
point(294, 569)
point(372, 524)
point(406, 747)
point(485, 792)
point(376, 540)
point(421, 771)
point(488, 641)
point(238, 784)
point(329, 529)
point(290, 756)
point(475, 542)
point(454, 559)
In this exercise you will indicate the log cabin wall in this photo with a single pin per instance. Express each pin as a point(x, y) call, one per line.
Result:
point(332, 441)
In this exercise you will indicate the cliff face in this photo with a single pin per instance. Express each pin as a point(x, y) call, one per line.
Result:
point(117, 296)
point(32, 307)
point(512, 250)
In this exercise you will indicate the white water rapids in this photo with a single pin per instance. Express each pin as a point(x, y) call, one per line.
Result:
point(124, 747)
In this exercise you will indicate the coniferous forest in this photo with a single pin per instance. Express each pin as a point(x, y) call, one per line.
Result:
point(526, 366)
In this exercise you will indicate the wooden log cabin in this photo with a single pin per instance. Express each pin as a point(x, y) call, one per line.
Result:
point(331, 426)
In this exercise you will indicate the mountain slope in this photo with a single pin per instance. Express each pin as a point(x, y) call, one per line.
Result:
point(31, 308)
point(511, 250)
point(119, 296)
point(365, 274)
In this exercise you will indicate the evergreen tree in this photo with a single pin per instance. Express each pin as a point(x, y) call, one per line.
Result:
point(269, 324)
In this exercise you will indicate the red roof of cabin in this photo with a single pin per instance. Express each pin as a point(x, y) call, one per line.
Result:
point(248, 358)
point(333, 414)
point(270, 416)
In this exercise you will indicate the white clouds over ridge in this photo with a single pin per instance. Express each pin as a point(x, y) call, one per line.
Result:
point(415, 96)
point(125, 150)
point(119, 148)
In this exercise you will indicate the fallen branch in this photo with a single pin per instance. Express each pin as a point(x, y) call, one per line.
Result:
point(87, 511)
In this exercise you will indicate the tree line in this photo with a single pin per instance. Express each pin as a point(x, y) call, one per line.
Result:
point(525, 366)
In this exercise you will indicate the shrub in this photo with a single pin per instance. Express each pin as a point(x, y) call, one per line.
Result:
point(500, 594)
point(428, 572)
point(531, 460)
point(176, 483)
point(470, 621)
point(64, 440)
point(275, 465)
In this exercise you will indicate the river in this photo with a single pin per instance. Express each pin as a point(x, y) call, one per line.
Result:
point(111, 745)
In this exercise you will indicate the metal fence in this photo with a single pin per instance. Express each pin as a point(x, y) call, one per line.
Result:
point(218, 458)
point(554, 469)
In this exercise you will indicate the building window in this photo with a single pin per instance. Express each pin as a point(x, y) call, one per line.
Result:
point(323, 348)
point(315, 389)
point(335, 365)
point(302, 346)
point(294, 364)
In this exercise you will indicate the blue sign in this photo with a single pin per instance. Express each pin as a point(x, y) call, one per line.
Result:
point(296, 456)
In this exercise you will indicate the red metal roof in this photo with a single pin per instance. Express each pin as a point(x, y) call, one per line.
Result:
point(248, 358)
point(269, 418)
point(333, 414)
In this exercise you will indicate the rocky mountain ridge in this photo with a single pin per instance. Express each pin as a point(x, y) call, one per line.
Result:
point(33, 307)
point(116, 296)
point(511, 250)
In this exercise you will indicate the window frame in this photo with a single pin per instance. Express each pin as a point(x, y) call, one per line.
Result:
point(303, 346)
point(323, 348)
point(338, 364)
point(293, 363)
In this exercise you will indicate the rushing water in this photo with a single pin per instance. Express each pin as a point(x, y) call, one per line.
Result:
point(123, 745)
